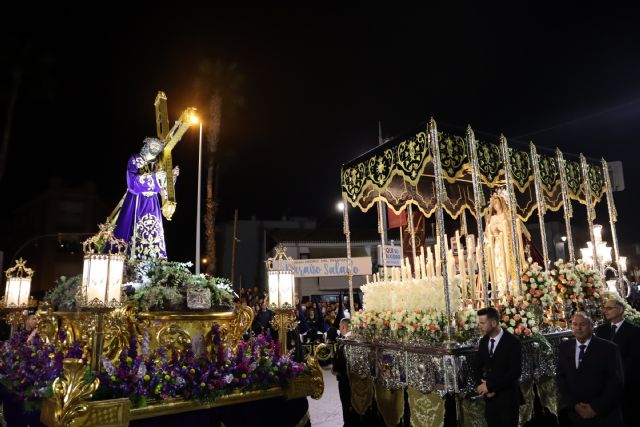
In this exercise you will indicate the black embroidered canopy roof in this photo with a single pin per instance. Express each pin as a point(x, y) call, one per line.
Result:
point(400, 172)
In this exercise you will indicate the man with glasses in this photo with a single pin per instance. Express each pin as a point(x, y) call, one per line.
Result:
point(589, 376)
point(627, 336)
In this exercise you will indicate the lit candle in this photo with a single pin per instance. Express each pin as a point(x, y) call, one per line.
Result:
point(423, 270)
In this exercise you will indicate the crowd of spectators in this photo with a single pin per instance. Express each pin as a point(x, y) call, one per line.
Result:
point(318, 321)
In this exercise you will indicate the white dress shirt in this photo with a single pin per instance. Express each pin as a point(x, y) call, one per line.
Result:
point(578, 344)
point(618, 326)
point(496, 340)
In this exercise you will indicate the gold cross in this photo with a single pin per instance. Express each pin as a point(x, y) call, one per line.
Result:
point(170, 138)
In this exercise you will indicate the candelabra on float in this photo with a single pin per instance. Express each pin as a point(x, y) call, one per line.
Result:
point(281, 284)
point(101, 290)
point(16, 294)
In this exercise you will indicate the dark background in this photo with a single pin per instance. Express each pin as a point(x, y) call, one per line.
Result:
point(316, 83)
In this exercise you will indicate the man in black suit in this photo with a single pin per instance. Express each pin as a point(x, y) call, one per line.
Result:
point(339, 368)
point(627, 337)
point(590, 376)
point(498, 366)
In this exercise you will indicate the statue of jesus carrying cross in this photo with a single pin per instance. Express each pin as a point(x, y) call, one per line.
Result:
point(150, 173)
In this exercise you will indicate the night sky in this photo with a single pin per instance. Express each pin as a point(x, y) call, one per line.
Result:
point(316, 83)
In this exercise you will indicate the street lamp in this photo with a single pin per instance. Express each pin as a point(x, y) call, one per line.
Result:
point(194, 119)
point(281, 284)
point(101, 288)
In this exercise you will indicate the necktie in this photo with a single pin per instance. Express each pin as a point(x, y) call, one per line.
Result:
point(613, 331)
point(581, 354)
point(491, 347)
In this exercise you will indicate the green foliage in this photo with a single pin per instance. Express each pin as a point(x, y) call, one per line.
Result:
point(63, 295)
point(165, 283)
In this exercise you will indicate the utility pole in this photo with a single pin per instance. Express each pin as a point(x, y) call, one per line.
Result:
point(234, 242)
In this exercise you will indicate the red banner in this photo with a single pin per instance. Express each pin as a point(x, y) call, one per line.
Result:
point(395, 221)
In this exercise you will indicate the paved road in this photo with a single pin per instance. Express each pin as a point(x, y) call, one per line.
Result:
point(327, 412)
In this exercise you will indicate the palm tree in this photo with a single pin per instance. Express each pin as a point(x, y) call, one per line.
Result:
point(218, 84)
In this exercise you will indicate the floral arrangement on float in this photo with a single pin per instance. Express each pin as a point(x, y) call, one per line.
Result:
point(400, 324)
point(519, 317)
point(152, 285)
point(28, 367)
point(537, 286)
point(577, 283)
point(145, 376)
point(467, 324)
point(405, 307)
point(592, 283)
point(566, 282)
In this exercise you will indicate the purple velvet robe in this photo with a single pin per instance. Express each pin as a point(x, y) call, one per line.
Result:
point(139, 221)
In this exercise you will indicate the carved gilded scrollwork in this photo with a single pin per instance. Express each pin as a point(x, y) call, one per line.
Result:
point(118, 329)
point(317, 379)
point(71, 392)
point(76, 326)
point(173, 336)
point(243, 321)
point(47, 323)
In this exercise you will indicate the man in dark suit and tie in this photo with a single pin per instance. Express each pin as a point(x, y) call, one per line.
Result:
point(497, 370)
point(590, 376)
point(627, 337)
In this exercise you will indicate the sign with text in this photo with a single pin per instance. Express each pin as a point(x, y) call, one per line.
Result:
point(392, 255)
point(324, 267)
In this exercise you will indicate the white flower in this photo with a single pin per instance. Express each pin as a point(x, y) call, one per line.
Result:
point(510, 330)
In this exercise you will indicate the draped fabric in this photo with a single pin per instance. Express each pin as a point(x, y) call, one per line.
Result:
point(401, 172)
point(139, 221)
point(361, 393)
point(427, 410)
point(390, 404)
point(473, 413)
point(548, 393)
point(526, 410)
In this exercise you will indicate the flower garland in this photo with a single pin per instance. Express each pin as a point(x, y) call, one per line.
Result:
point(422, 324)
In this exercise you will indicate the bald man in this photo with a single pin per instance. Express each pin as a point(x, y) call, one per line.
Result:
point(627, 337)
point(590, 376)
